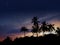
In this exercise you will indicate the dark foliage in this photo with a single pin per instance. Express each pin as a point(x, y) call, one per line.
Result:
point(35, 27)
point(24, 29)
point(43, 26)
point(58, 30)
point(46, 40)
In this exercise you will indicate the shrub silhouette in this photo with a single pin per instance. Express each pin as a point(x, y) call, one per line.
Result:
point(7, 41)
point(45, 40)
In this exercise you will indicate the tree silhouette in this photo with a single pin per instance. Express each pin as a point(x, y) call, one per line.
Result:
point(47, 27)
point(58, 30)
point(35, 25)
point(51, 27)
point(24, 29)
point(43, 26)
point(34, 30)
point(7, 41)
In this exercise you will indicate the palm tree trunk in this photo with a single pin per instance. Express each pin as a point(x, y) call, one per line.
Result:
point(33, 33)
point(24, 33)
point(37, 34)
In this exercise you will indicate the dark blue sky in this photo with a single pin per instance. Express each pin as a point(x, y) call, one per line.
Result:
point(29, 5)
point(16, 13)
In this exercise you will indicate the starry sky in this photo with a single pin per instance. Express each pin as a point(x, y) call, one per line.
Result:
point(17, 13)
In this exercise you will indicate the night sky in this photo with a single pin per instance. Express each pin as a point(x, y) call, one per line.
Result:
point(17, 13)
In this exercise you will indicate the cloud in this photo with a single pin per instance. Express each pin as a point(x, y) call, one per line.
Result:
point(5, 29)
point(48, 18)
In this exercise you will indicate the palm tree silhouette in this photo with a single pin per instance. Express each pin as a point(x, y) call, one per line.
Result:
point(51, 27)
point(34, 30)
point(43, 26)
point(24, 29)
point(35, 25)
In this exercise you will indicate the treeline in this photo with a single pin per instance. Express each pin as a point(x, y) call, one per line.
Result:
point(36, 28)
point(50, 39)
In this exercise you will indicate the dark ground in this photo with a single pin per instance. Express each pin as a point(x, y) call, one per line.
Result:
point(45, 40)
